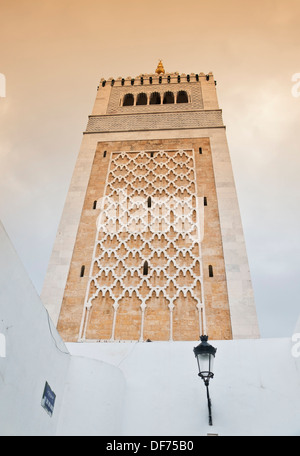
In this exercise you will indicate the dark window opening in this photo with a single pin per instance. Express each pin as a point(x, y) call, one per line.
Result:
point(182, 97)
point(141, 99)
point(178, 78)
point(210, 271)
point(150, 79)
point(128, 100)
point(152, 154)
point(169, 79)
point(155, 98)
point(103, 83)
point(149, 201)
point(160, 79)
point(205, 201)
point(95, 205)
point(145, 268)
point(188, 78)
point(112, 82)
point(132, 82)
point(142, 80)
point(104, 154)
point(207, 77)
point(123, 81)
point(168, 98)
point(197, 77)
point(82, 271)
point(200, 150)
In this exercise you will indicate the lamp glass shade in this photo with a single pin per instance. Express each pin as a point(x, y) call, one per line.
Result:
point(205, 354)
point(205, 365)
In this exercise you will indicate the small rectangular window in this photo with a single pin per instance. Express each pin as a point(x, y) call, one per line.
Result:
point(95, 205)
point(210, 271)
point(200, 150)
point(82, 271)
point(145, 268)
point(205, 201)
point(104, 154)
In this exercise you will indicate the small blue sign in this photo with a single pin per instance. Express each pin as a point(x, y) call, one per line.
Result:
point(48, 399)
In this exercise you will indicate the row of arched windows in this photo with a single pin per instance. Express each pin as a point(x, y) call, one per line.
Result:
point(155, 98)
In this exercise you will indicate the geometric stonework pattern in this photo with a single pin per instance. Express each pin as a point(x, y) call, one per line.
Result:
point(146, 278)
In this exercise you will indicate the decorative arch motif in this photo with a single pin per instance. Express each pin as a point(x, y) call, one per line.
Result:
point(147, 257)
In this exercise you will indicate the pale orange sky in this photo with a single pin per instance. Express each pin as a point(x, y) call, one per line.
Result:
point(53, 54)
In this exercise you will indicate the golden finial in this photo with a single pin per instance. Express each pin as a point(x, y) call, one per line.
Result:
point(160, 68)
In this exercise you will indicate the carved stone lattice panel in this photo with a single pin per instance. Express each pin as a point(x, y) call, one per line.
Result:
point(146, 276)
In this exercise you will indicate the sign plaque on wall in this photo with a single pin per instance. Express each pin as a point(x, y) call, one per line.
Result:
point(48, 399)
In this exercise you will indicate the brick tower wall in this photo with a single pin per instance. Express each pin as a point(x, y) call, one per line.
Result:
point(178, 236)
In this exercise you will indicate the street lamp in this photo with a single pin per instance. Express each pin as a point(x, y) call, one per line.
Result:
point(205, 354)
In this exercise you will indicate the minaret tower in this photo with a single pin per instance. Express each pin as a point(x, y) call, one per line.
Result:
point(150, 245)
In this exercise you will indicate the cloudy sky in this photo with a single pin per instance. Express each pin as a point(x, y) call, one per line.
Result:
point(53, 54)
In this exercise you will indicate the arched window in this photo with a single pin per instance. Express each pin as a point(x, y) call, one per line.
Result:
point(182, 97)
point(149, 201)
point(141, 99)
point(155, 98)
point(128, 100)
point(168, 98)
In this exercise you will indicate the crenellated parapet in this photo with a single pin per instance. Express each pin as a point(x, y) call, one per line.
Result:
point(155, 79)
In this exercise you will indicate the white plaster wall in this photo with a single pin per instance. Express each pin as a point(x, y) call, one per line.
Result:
point(296, 344)
point(255, 391)
point(93, 399)
point(88, 393)
point(34, 352)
